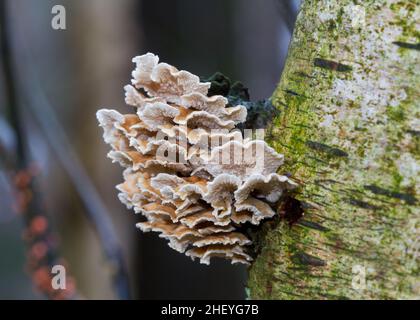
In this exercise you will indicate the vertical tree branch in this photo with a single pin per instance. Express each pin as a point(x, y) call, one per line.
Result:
point(40, 240)
point(37, 103)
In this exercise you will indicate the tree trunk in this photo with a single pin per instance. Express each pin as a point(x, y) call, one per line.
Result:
point(349, 129)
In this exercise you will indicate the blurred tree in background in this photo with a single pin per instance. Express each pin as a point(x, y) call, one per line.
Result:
point(62, 78)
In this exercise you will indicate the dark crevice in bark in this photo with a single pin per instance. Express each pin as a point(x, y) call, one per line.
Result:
point(294, 93)
point(313, 225)
point(331, 65)
point(291, 210)
point(362, 204)
point(414, 133)
point(406, 45)
point(408, 198)
point(305, 259)
point(327, 149)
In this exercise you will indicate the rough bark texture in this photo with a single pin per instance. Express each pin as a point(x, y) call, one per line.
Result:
point(349, 128)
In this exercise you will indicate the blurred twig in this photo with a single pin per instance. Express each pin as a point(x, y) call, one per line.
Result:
point(42, 246)
point(42, 111)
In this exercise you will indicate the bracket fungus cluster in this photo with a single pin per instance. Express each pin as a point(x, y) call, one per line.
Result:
point(188, 171)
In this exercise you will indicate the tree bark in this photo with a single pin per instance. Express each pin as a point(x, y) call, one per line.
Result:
point(349, 129)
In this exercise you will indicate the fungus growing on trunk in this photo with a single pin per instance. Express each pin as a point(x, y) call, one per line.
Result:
point(194, 178)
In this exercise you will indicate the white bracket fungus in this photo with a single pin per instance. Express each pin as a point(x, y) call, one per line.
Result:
point(193, 177)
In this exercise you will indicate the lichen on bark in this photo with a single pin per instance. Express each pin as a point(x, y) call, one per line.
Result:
point(349, 128)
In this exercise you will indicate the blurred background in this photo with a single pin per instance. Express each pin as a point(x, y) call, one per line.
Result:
point(58, 202)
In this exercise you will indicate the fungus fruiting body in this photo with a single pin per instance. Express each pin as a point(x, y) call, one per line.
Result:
point(187, 170)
